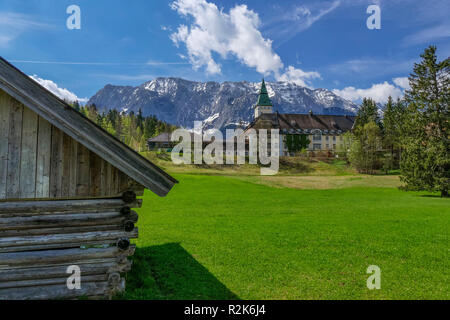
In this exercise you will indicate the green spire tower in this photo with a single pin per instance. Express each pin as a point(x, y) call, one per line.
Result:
point(264, 105)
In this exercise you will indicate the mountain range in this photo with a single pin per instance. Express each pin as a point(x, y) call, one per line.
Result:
point(218, 105)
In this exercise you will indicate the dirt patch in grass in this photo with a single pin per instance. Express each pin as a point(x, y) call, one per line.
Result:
point(325, 182)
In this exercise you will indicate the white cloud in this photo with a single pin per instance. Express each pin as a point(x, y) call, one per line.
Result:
point(307, 19)
point(287, 23)
point(14, 24)
point(427, 35)
point(59, 92)
point(298, 76)
point(402, 82)
point(233, 33)
point(236, 33)
point(378, 92)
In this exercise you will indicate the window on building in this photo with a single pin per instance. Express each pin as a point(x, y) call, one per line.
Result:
point(328, 138)
point(317, 136)
point(317, 146)
point(334, 138)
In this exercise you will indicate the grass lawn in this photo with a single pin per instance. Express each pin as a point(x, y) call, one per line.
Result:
point(225, 237)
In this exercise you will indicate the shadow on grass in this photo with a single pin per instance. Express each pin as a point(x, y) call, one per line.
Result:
point(168, 272)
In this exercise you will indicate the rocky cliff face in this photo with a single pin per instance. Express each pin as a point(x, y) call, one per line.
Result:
point(219, 105)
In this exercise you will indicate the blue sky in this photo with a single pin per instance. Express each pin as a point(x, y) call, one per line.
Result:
point(319, 44)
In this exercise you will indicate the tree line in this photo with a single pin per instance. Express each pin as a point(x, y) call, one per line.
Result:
point(130, 128)
point(412, 134)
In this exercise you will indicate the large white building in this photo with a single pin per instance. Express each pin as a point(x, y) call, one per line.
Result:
point(315, 132)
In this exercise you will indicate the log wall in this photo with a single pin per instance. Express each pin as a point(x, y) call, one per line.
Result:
point(39, 240)
point(39, 161)
point(60, 205)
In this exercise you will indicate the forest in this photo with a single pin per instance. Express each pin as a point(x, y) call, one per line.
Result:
point(130, 128)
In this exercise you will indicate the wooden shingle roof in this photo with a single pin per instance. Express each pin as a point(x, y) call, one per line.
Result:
point(67, 119)
point(291, 121)
point(166, 137)
point(313, 121)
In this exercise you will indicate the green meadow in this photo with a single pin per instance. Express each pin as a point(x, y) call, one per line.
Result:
point(311, 234)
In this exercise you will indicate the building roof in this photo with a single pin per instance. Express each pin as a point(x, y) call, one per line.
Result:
point(263, 99)
point(74, 124)
point(163, 137)
point(291, 122)
point(166, 137)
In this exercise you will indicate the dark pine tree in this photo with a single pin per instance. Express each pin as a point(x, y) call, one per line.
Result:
point(393, 119)
point(425, 163)
point(367, 112)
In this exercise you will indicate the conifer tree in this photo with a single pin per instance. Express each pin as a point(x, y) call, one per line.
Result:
point(425, 161)
point(367, 112)
point(393, 118)
point(364, 150)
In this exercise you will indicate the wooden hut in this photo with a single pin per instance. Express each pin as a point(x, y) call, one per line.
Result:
point(67, 188)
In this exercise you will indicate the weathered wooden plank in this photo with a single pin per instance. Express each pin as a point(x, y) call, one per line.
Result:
point(43, 159)
point(103, 188)
point(56, 167)
point(50, 281)
point(119, 260)
point(61, 271)
point(125, 211)
point(55, 291)
point(108, 182)
point(52, 257)
point(71, 238)
point(59, 246)
point(68, 219)
point(95, 174)
point(124, 182)
point(83, 172)
point(36, 207)
point(67, 163)
point(12, 214)
point(117, 181)
point(29, 154)
point(5, 111)
point(73, 168)
point(14, 146)
point(15, 232)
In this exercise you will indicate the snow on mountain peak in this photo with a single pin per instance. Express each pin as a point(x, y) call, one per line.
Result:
point(220, 105)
